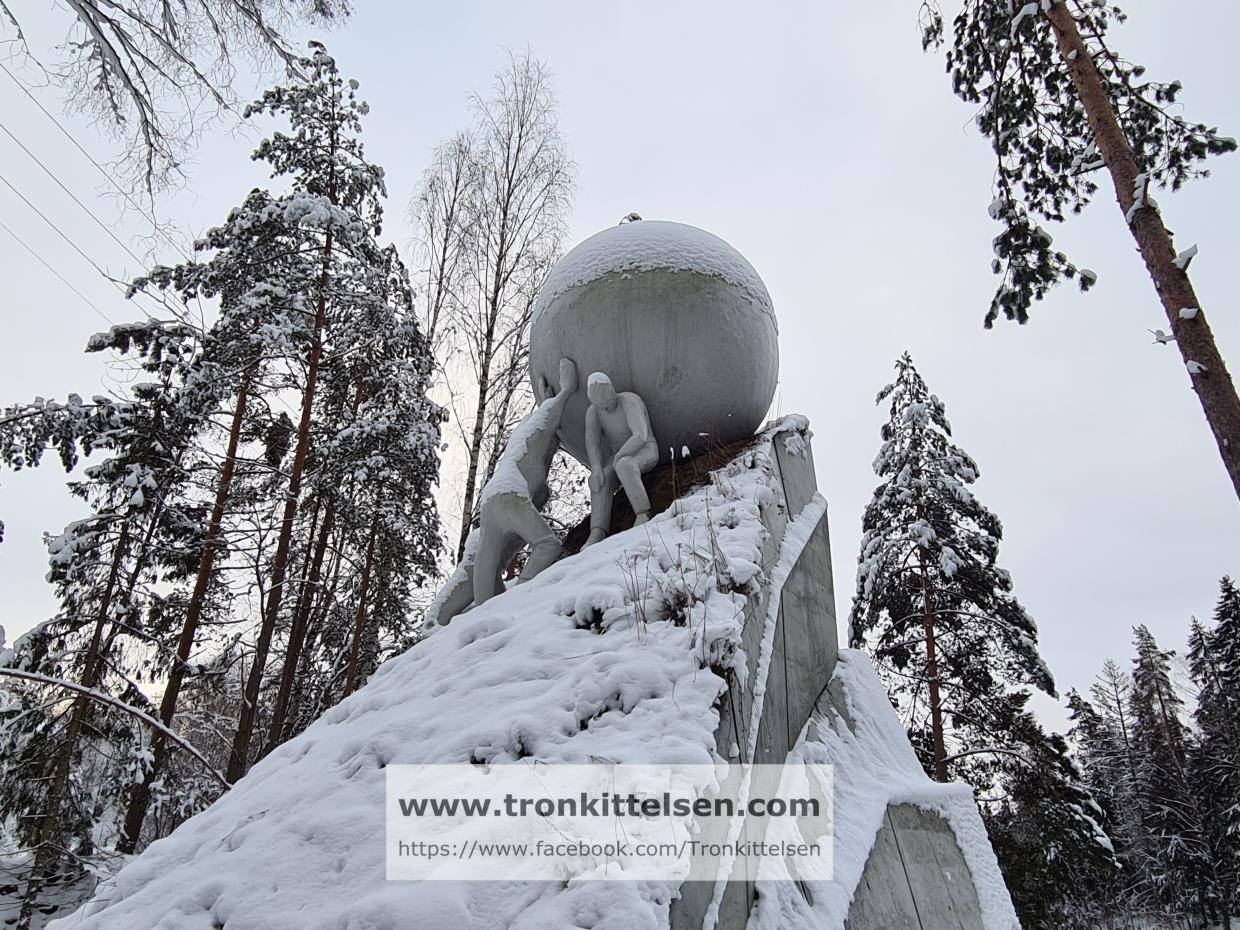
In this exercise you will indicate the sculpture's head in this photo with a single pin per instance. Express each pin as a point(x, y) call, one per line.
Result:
point(600, 391)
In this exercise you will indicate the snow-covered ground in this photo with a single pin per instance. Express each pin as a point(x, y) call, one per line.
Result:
point(614, 654)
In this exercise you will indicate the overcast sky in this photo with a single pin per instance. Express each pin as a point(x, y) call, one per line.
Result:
point(820, 142)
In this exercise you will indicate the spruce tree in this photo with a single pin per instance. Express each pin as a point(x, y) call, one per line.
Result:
point(1101, 736)
point(1058, 104)
point(1050, 834)
point(1112, 758)
point(958, 652)
point(932, 604)
point(1173, 855)
point(1214, 660)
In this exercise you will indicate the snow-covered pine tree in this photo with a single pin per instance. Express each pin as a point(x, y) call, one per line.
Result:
point(70, 758)
point(1057, 104)
point(1173, 854)
point(374, 465)
point(1214, 660)
point(308, 303)
point(333, 210)
point(392, 453)
point(259, 278)
point(955, 648)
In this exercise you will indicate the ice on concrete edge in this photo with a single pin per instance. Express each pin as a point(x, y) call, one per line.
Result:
point(796, 536)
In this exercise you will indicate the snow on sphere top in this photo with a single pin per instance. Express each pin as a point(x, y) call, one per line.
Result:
point(647, 245)
point(670, 312)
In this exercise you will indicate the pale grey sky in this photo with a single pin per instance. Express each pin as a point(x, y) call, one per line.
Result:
point(821, 143)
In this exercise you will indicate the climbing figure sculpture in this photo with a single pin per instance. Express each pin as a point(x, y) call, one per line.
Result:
point(620, 447)
point(510, 509)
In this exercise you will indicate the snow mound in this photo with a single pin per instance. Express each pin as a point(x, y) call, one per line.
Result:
point(614, 654)
point(874, 767)
point(653, 245)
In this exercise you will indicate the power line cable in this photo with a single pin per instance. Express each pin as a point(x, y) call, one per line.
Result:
point(98, 167)
point(155, 226)
point(49, 267)
point(115, 184)
point(117, 359)
point(98, 222)
point(72, 196)
point(63, 235)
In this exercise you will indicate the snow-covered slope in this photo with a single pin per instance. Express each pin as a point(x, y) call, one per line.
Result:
point(613, 653)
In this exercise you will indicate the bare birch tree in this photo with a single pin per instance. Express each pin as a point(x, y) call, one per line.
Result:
point(491, 218)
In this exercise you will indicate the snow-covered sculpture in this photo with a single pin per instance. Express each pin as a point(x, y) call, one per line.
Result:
point(619, 447)
point(674, 315)
point(510, 508)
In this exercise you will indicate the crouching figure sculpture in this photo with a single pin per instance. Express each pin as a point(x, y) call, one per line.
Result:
point(511, 509)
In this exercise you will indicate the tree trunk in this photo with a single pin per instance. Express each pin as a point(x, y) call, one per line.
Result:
point(239, 760)
point(475, 442)
point(932, 675)
point(301, 615)
point(351, 677)
point(45, 854)
point(140, 796)
point(1214, 386)
point(297, 634)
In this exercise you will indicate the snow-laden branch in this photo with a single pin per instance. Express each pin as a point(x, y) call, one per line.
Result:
point(121, 705)
point(997, 749)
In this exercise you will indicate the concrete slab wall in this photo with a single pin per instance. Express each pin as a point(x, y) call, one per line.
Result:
point(801, 664)
point(916, 878)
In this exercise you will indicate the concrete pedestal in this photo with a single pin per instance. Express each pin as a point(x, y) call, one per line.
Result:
point(915, 876)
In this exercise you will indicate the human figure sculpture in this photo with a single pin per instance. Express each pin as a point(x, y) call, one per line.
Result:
point(619, 446)
point(510, 508)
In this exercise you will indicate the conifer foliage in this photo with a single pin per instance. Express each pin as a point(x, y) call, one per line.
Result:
point(958, 652)
point(1170, 848)
point(1058, 104)
point(1214, 660)
point(932, 604)
point(248, 566)
point(1170, 790)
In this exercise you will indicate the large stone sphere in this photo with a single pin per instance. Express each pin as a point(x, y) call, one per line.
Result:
point(672, 313)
